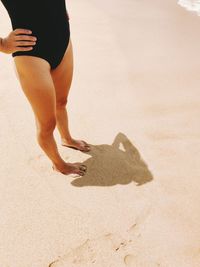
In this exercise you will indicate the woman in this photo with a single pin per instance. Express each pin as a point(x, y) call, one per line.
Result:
point(42, 51)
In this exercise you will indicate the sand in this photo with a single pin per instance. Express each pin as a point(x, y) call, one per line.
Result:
point(135, 99)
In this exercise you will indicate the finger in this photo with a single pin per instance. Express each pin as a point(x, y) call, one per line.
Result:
point(25, 37)
point(24, 48)
point(22, 31)
point(21, 43)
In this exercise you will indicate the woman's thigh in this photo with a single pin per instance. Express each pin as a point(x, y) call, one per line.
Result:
point(62, 76)
point(37, 84)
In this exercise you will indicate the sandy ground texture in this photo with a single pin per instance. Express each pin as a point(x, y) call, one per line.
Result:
point(135, 99)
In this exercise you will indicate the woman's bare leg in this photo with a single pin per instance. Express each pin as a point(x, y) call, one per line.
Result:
point(36, 82)
point(62, 78)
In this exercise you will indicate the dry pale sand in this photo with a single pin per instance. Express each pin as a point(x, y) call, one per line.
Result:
point(135, 98)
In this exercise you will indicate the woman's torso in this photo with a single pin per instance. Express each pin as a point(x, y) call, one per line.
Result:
point(47, 15)
point(49, 22)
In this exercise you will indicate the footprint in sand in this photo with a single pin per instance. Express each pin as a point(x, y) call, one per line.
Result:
point(133, 261)
point(102, 251)
point(39, 163)
point(129, 260)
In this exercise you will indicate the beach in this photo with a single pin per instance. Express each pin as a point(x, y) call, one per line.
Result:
point(135, 99)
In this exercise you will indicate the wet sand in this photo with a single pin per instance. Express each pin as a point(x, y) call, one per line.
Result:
point(135, 99)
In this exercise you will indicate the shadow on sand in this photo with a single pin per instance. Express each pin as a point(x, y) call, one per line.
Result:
point(111, 165)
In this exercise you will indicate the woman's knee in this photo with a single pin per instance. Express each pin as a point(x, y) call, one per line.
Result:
point(46, 127)
point(61, 103)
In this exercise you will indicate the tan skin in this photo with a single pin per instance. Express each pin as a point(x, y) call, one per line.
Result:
point(42, 85)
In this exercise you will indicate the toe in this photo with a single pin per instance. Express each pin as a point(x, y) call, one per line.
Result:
point(85, 144)
point(81, 173)
point(86, 147)
point(83, 167)
point(80, 165)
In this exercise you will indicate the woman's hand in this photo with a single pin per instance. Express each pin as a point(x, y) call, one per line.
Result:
point(17, 38)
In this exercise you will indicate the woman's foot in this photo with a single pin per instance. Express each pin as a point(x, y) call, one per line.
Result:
point(76, 144)
point(70, 168)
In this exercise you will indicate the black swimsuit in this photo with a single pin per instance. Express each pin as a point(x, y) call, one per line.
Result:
point(49, 22)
